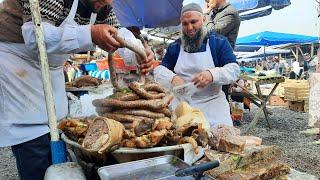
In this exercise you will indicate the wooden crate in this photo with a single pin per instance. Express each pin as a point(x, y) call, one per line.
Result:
point(306, 105)
point(299, 106)
point(277, 101)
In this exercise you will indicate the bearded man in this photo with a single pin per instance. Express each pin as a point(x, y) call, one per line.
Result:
point(204, 59)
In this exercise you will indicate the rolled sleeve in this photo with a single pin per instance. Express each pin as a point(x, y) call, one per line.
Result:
point(164, 73)
point(84, 38)
point(59, 40)
point(227, 74)
point(163, 76)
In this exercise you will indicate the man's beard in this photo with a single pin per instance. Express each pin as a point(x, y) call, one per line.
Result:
point(89, 5)
point(193, 44)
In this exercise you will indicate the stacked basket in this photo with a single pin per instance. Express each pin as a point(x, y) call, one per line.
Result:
point(297, 93)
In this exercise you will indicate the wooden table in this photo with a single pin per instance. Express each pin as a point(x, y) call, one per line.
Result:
point(260, 100)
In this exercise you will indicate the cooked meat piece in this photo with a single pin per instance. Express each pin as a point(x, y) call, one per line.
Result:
point(143, 142)
point(153, 92)
point(155, 104)
point(231, 144)
point(154, 87)
point(98, 130)
point(142, 127)
point(69, 84)
point(130, 143)
point(140, 112)
point(173, 137)
point(127, 96)
point(86, 80)
point(201, 136)
point(74, 128)
point(220, 131)
point(165, 111)
point(137, 88)
point(156, 136)
point(128, 134)
point(183, 109)
point(192, 141)
point(163, 123)
point(127, 125)
point(113, 73)
point(187, 129)
point(125, 117)
point(103, 110)
point(102, 135)
point(263, 170)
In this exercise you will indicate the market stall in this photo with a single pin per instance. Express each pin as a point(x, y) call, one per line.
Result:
point(259, 99)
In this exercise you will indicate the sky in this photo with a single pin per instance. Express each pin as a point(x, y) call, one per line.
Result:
point(298, 18)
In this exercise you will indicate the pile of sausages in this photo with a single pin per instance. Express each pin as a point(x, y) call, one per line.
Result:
point(143, 110)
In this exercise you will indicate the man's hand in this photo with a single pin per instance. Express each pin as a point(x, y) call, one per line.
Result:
point(148, 65)
point(102, 35)
point(177, 80)
point(202, 79)
point(209, 5)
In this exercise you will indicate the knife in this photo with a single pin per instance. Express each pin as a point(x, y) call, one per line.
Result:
point(193, 170)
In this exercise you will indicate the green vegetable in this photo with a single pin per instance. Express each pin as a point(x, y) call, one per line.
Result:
point(125, 90)
point(174, 161)
point(235, 157)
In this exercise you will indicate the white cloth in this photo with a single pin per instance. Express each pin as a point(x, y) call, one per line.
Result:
point(296, 67)
point(314, 99)
point(23, 114)
point(211, 99)
point(241, 85)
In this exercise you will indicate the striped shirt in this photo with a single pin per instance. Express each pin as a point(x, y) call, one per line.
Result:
point(13, 13)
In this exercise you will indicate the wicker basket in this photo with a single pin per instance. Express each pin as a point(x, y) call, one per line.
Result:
point(296, 91)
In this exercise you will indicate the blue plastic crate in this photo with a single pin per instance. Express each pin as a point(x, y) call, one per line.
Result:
point(89, 67)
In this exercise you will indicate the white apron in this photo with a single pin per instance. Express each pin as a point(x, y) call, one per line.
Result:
point(23, 114)
point(211, 99)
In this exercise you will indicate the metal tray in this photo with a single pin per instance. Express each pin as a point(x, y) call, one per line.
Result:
point(147, 169)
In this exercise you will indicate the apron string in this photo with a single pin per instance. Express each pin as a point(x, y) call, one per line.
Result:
point(73, 11)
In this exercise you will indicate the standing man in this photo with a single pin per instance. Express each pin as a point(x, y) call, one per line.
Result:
point(204, 59)
point(23, 117)
point(223, 19)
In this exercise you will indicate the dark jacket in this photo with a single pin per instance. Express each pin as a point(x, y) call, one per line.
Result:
point(221, 51)
point(225, 21)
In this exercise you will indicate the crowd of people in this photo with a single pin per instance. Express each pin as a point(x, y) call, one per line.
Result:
point(292, 68)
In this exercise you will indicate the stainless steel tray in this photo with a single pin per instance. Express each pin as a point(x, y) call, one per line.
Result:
point(147, 169)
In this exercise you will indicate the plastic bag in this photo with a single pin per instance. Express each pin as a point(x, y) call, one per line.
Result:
point(184, 92)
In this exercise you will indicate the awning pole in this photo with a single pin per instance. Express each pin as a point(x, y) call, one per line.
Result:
point(57, 147)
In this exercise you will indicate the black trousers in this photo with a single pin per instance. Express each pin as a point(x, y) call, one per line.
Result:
point(33, 158)
point(225, 89)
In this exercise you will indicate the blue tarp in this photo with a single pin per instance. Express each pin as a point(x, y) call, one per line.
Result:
point(164, 13)
point(268, 38)
point(148, 13)
point(244, 5)
point(256, 14)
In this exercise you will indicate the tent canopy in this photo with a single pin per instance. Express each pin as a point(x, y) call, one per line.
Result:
point(268, 51)
point(244, 5)
point(268, 38)
point(164, 13)
point(148, 13)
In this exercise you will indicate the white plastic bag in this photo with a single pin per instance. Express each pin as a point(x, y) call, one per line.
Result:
point(184, 92)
